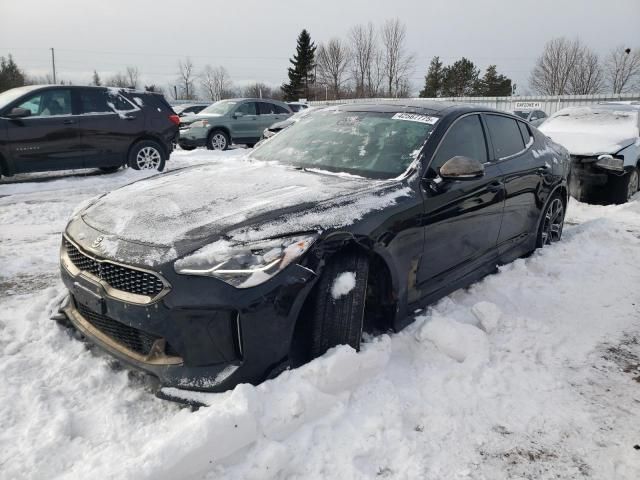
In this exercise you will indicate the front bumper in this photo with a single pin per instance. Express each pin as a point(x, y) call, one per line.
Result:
point(202, 335)
point(192, 137)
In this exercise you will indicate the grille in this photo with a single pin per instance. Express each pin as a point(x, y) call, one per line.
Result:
point(133, 339)
point(116, 276)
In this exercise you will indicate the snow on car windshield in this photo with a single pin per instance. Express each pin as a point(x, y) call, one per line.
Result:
point(219, 108)
point(369, 144)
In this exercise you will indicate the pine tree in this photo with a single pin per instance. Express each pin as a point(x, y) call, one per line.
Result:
point(494, 85)
point(96, 79)
point(433, 80)
point(10, 75)
point(301, 74)
point(460, 79)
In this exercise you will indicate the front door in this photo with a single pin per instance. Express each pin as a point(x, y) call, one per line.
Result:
point(461, 217)
point(49, 139)
point(244, 124)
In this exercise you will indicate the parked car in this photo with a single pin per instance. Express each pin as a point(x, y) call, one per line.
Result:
point(534, 117)
point(604, 143)
point(239, 120)
point(55, 127)
point(347, 220)
point(276, 127)
point(297, 106)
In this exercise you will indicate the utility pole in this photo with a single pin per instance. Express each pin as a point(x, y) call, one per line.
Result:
point(53, 63)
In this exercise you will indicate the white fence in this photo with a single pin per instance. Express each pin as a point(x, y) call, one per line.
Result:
point(549, 104)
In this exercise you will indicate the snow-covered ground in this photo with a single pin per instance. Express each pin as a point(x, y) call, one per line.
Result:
point(531, 373)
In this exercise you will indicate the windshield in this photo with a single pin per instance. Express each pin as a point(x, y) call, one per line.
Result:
point(220, 108)
point(522, 113)
point(370, 144)
point(10, 95)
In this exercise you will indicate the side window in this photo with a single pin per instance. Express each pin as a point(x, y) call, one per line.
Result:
point(116, 102)
point(266, 108)
point(281, 110)
point(465, 138)
point(49, 103)
point(505, 135)
point(248, 108)
point(524, 130)
point(94, 101)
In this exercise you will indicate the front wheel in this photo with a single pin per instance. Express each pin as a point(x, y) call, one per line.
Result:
point(146, 155)
point(218, 140)
point(552, 222)
point(338, 309)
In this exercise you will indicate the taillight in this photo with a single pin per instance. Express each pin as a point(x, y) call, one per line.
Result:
point(175, 119)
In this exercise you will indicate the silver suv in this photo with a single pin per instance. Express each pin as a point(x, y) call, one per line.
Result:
point(239, 120)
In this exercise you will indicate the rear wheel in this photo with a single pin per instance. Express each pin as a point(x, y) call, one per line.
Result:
point(218, 140)
point(146, 155)
point(338, 308)
point(624, 187)
point(552, 222)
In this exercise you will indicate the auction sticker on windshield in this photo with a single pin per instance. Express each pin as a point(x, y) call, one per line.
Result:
point(415, 117)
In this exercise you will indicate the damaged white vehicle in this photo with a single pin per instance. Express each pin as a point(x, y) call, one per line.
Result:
point(604, 143)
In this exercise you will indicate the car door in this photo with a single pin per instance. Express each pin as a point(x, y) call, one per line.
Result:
point(244, 122)
point(268, 116)
point(109, 123)
point(461, 217)
point(48, 139)
point(524, 171)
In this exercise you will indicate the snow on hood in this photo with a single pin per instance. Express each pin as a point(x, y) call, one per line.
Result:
point(207, 201)
point(592, 131)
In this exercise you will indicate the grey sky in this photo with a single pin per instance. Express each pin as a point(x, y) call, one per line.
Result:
point(254, 39)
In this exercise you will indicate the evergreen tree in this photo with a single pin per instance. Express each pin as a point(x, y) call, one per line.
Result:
point(10, 75)
point(460, 79)
point(494, 85)
point(96, 79)
point(433, 81)
point(301, 74)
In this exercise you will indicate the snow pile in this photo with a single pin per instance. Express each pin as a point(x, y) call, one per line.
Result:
point(513, 377)
point(593, 130)
point(343, 284)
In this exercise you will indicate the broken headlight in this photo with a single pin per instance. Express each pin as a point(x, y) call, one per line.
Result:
point(609, 162)
point(245, 265)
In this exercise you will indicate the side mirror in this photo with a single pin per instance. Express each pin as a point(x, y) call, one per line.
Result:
point(18, 112)
point(238, 114)
point(461, 168)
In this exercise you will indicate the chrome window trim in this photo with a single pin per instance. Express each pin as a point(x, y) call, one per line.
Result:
point(114, 293)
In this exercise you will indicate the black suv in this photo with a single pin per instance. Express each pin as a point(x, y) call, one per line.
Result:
point(59, 127)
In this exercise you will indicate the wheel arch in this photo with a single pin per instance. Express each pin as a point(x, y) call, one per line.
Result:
point(151, 137)
point(219, 127)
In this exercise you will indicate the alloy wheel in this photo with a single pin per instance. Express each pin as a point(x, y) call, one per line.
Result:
point(553, 222)
point(218, 141)
point(148, 158)
point(632, 187)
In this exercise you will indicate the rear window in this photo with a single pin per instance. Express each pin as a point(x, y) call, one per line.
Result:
point(505, 135)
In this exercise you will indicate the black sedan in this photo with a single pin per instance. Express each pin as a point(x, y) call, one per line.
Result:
point(346, 221)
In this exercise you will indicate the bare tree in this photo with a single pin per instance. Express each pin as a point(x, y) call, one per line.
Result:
point(257, 90)
point(215, 81)
point(133, 75)
point(622, 67)
point(117, 80)
point(397, 63)
point(363, 46)
point(554, 67)
point(332, 61)
point(186, 77)
point(586, 76)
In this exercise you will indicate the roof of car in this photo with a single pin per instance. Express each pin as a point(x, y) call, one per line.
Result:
point(120, 89)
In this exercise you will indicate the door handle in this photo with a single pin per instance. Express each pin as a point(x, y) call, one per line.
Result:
point(130, 117)
point(69, 121)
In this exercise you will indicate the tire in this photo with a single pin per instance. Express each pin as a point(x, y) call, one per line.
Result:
point(109, 169)
point(218, 140)
point(147, 155)
point(188, 148)
point(339, 321)
point(623, 187)
point(552, 221)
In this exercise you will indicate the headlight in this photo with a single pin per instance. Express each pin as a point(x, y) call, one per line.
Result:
point(610, 163)
point(245, 265)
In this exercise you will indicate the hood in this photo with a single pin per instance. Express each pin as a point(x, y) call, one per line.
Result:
point(281, 124)
point(589, 131)
point(183, 210)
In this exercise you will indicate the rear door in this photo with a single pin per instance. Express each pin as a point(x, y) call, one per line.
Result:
point(462, 217)
point(524, 172)
point(268, 115)
point(108, 125)
point(245, 127)
point(49, 139)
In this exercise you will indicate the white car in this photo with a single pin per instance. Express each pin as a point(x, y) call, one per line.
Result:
point(604, 143)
